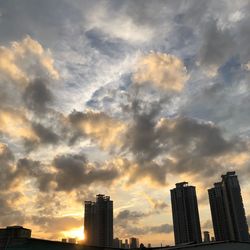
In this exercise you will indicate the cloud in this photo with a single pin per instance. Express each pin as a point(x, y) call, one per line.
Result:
point(102, 128)
point(74, 171)
point(7, 167)
point(56, 224)
point(164, 228)
point(218, 47)
point(127, 215)
point(67, 173)
point(138, 231)
point(46, 135)
point(12, 64)
point(15, 124)
point(156, 204)
point(9, 214)
point(160, 146)
point(37, 95)
point(164, 71)
point(122, 26)
point(27, 72)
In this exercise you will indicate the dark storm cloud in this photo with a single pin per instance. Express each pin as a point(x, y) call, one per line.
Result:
point(193, 144)
point(37, 96)
point(28, 168)
point(68, 172)
point(46, 135)
point(127, 215)
point(141, 137)
point(73, 171)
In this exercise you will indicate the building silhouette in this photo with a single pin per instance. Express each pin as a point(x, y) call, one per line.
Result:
point(98, 222)
point(206, 236)
point(117, 243)
point(134, 242)
point(185, 214)
point(227, 209)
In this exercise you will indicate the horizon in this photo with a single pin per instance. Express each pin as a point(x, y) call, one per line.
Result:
point(124, 98)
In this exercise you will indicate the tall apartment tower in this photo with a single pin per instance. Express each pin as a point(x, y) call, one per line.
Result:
point(98, 222)
point(227, 209)
point(185, 214)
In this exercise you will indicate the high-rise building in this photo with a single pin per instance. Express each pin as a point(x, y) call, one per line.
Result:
point(98, 222)
point(134, 242)
point(185, 214)
point(206, 236)
point(117, 243)
point(89, 223)
point(227, 209)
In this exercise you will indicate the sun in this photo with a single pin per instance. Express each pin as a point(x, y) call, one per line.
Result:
point(77, 233)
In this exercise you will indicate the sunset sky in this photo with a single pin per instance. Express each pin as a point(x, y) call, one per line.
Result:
point(122, 98)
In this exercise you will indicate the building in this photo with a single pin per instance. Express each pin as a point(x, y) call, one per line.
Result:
point(227, 209)
point(98, 221)
point(134, 242)
point(14, 232)
point(206, 236)
point(117, 243)
point(185, 214)
point(89, 223)
point(38, 244)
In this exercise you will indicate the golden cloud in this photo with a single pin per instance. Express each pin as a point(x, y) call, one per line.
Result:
point(13, 65)
point(102, 128)
point(162, 70)
point(15, 124)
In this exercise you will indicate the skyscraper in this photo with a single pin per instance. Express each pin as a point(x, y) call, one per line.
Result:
point(134, 242)
point(98, 221)
point(89, 222)
point(185, 214)
point(227, 209)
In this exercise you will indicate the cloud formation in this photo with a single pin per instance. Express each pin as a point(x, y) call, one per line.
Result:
point(100, 127)
point(153, 115)
point(162, 70)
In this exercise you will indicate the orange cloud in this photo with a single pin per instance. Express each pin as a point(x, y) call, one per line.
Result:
point(162, 70)
point(13, 65)
point(15, 124)
point(102, 128)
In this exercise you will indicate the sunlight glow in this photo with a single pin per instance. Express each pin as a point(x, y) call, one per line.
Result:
point(77, 233)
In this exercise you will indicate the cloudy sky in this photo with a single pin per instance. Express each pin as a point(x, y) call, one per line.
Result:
point(123, 98)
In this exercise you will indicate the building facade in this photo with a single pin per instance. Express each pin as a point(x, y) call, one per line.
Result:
point(227, 209)
point(98, 222)
point(185, 214)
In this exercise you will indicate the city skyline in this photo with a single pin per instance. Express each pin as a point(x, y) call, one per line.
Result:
point(124, 98)
point(227, 212)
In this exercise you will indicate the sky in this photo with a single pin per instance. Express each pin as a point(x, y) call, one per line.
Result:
point(123, 98)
